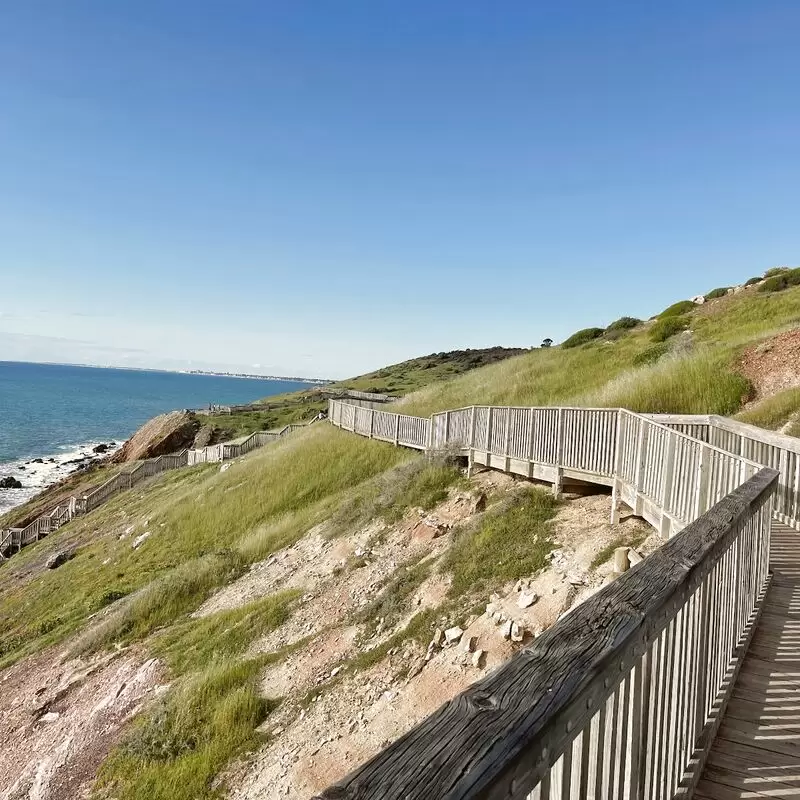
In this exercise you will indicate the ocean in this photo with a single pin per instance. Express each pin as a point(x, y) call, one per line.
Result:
point(57, 412)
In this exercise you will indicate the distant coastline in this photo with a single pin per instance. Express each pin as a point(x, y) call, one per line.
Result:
point(211, 373)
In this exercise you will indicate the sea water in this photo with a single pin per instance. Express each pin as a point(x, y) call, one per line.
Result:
point(58, 413)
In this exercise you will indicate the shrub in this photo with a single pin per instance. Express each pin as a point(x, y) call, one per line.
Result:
point(715, 293)
point(667, 327)
point(752, 281)
point(676, 309)
point(771, 273)
point(776, 283)
point(624, 324)
point(582, 337)
point(650, 354)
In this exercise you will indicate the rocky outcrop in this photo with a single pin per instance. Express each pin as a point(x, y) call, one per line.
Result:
point(204, 437)
point(10, 483)
point(164, 434)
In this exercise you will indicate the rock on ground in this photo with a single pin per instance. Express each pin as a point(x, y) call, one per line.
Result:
point(164, 434)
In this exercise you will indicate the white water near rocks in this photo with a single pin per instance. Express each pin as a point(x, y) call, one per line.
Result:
point(37, 474)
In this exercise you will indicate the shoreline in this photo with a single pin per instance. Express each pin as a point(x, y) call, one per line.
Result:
point(37, 473)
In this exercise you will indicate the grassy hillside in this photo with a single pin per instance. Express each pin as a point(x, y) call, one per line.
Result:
point(397, 379)
point(692, 371)
point(207, 527)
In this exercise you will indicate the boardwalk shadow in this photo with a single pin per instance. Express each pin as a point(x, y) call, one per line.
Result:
point(757, 750)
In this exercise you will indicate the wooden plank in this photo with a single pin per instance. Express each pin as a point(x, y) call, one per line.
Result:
point(504, 730)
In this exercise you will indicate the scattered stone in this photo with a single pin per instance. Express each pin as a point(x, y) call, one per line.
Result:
point(431, 650)
point(576, 580)
point(37, 461)
point(10, 482)
point(416, 668)
point(50, 716)
point(438, 637)
point(452, 635)
point(506, 629)
point(699, 300)
point(225, 467)
point(517, 632)
point(478, 503)
point(527, 599)
point(100, 448)
point(478, 659)
point(490, 609)
point(139, 540)
point(335, 671)
point(469, 644)
point(57, 559)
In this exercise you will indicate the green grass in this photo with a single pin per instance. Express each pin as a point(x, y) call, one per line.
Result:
point(511, 541)
point(195, 643)
point(418, 484)
point(698, 384)
point(773, 412)
point(596, 372)
point(175, 750)
point(206, 527)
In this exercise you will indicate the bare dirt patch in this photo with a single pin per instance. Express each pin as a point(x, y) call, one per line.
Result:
point(335, 716)
point(773, 365)
point(59, 720)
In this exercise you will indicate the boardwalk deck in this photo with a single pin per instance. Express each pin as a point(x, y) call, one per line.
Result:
point(756, 752)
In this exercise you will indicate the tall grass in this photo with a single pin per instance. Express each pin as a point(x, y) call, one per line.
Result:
point(701, 384)
point(205, 526)
point(511, 541)
point(773, 412)
point(175, 751)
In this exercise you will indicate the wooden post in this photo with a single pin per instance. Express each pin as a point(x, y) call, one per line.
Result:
point(669, 480)
point(489, 432)
point(371, 421)
point(396, 430)
point(617, 470)
point(506, 461)
point(702, 483)
point(557, 483)
point(471, 442)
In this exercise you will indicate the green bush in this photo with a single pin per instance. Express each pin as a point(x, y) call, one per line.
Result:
point(650, 355)
point(667, 327)
point(777, 283)
point(582, 337)
point(752, 281)
point(771, 273)
point(624, 324)
point(676, 309)
point(715, 293)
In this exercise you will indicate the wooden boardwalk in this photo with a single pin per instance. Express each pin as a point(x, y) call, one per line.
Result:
point(757, 750)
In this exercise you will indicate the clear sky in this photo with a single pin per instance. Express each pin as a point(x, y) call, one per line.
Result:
point(322, 188)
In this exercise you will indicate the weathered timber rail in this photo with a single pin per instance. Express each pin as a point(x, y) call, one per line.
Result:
point(13, 540)
point(621, 698)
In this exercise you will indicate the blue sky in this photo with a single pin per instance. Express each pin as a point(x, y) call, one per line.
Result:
point(324, 188)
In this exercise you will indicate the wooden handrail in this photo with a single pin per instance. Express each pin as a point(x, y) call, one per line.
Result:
point(601, 699)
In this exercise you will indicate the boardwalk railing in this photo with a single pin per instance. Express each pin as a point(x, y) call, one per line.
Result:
point(14, 539)
point(666, 476)
point(622, 697)
point(764, 447)
point(619, 699)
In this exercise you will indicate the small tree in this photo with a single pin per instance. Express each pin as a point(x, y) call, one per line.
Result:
point(547, 343)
